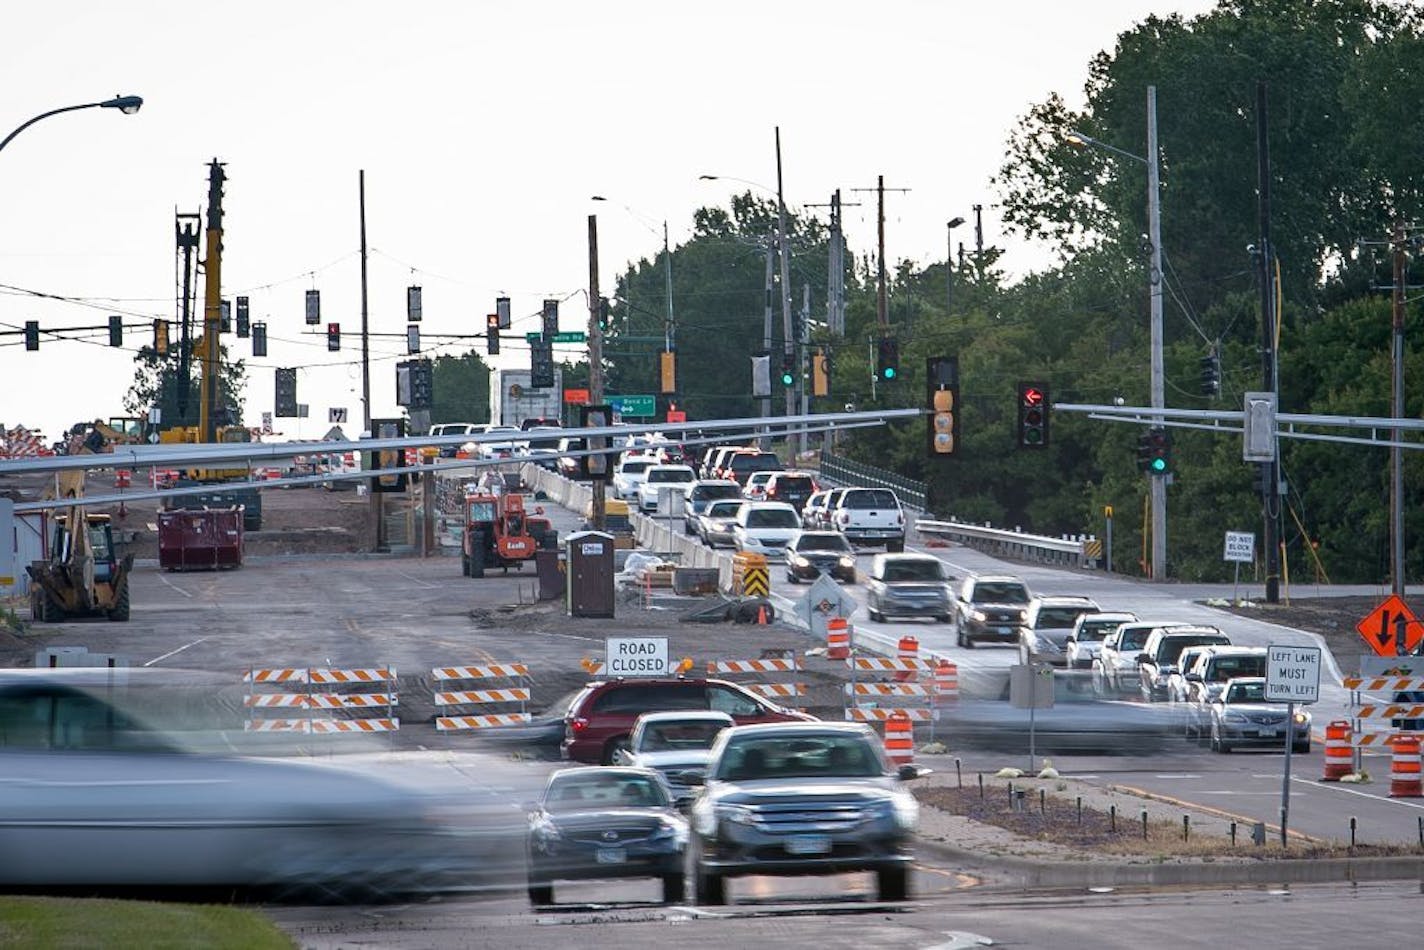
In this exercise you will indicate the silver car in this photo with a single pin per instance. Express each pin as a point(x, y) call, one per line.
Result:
point(138, 778)
point(908, 585)
point(678, 745)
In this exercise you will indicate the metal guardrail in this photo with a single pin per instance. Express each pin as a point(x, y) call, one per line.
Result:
point(1074, 552)
point(912, 494)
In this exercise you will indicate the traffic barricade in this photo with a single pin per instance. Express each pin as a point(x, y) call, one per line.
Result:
point(1339, 751)
point(870, 700)
point(908, 649)
point(290, 700)
point(1404, 777)
point(946, 682)
point(750, 577)
point(782, 692)
point(469, 708)
point(899, 738)
point(837, 639)
point(299, 693)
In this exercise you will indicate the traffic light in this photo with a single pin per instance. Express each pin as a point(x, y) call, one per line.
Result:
point(412, 338)
point(1159, 451)
point(1144, 450)
point(412, 304)
point(285, 402)
point(820, 373)
point(32, 334)
point(160, 337)
point(942, 400)
point(887, 361)
point(667, 372)
point(225, 316)
point(116, 331)
point(492, 334)
point(761, 375)
point(313, 307)
point(788, 369)
point(1033, 415)
point(259, 339)
point(333, 337)
point(244, 318)
point(1210, 375)
point(603, 313)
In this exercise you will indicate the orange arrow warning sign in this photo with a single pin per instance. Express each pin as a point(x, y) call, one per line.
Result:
point(1380, 627)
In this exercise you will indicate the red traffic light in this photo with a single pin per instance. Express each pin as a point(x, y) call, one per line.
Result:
point(1031, 396)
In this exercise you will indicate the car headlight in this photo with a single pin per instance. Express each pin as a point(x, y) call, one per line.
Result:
point(1302, 717)
point(704, 818)
point(847, 561)
point(903, 810)
point(980, 616)
point(737, 814)
point(800, 561)
point(676, 832)
point(1023, 615)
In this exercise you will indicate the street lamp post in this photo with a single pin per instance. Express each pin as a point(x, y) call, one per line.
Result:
point(951, 224)
point(669, 322)
point(128, 105)
point(1158, 485)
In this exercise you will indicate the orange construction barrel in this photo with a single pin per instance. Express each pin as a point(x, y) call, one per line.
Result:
point(1404, 781)
point(1339, 754)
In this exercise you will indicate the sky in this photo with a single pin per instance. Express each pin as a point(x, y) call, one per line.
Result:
point(483, 129)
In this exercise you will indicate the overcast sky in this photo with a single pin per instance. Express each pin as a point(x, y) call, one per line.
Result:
point(483, 129)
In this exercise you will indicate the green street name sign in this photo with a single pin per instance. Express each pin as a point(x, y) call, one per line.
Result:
point(568, 336)
point(634, 405)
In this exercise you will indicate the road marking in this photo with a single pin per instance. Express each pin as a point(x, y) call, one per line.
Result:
point(185, 646)
point(1182, 776)
point(175, 586)
point(427, 585)
point(1208, 809)
point(1355, 791)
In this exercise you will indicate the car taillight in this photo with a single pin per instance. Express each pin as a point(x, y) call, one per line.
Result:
point(578, 724)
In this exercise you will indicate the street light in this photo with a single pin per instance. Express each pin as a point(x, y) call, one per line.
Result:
point(950, 225)
point(669, 324)
point(1158, 486)
point(128, 105)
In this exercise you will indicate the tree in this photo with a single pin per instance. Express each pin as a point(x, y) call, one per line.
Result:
point(462, 392)
point(157, 382)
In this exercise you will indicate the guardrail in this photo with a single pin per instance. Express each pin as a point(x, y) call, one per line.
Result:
point(912, 494)
point(1074, 552)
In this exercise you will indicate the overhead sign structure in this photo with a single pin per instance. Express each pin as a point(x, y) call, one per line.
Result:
point(1240, 547)
point(1292, 674)
point(1380, 628)
point(636, 656)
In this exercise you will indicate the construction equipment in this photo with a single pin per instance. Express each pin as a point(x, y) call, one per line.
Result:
point(84, 576)
point(496, 533)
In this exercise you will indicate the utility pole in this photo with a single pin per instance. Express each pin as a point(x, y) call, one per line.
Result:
point(1270, 471)
point(801, 362)
point(1396, 454)
point(212, 306)
point(1157, 483)
point(365, 322)
point(597, 518)
point(789, 349)
point(950, 225)
point(835, 276)
point(764, 402)
point(979, 242)
point(186, 233)
point(882, 305)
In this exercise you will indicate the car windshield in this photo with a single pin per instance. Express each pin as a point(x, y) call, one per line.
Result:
point(635, 468)
point(705, 492)
point(1058, 616)
point(670, 475)
point(584, 791)
point(723, 509)
point(1096, 631)
point(870, 498)
point(1230, 667)
point(794, 483)
point(822, 542)
point(1000, 593)
point(916, 570)
point(678, 736)
point(1246, 693)
point(828, 756)
point(481, 511)
point(1133, 639)
point(756, 463)
point(1170, 650)
point(772, 518)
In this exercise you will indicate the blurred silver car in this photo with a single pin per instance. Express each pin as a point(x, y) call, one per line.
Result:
point(675, 744)
point(138, 777)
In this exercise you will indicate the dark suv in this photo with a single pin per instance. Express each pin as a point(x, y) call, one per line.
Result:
point(600, 720)
point(791, 487)
point(991, 607)
point(802, 798)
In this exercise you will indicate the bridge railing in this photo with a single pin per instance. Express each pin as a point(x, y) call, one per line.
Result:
point(846, 471)
point(1082, 551)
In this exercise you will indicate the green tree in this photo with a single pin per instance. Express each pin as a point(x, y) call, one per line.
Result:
point(461, 389)
point(158, 382)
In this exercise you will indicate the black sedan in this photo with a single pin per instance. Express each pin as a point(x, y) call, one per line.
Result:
point(602, 822)
point(820, 552)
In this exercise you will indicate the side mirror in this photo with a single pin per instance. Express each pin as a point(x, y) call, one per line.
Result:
point(908, 773)
point(1144, 658)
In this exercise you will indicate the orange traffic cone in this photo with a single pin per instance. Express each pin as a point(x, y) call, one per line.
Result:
point(761, 614)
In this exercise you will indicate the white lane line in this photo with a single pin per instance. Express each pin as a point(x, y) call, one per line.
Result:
point(185, 646)
point(1354, 791)
point(1184, 776)
point(412, 577)
point(175, 586)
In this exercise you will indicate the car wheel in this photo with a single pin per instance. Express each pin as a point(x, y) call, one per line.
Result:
point(711, 888)
point(893, 884)
point(541, 894)
point(674, 888)
point(792, 578)
point(611, 749)
point(1217, 744)
point(876, 615)
point(1301, 748)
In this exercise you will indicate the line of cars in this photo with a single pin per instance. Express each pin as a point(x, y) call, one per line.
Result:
point(704, 779)
point(1218, 686)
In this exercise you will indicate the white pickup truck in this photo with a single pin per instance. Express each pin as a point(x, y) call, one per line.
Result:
point(870, 516)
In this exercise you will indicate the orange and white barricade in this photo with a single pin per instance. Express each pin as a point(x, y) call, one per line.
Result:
point(837, 639)
point(899, 738)
point(465, 707)
point(305, 690)
point(1404, 778)
point(946, 682)
point(290, 699)
point(909, 649)
point(1339, 751)
point(782, 692)
point(904, 703)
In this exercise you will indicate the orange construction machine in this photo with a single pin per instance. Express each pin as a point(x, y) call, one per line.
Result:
point(496, 533)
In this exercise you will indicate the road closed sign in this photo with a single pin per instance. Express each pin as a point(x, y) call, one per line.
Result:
point(636, 656)
point(1292, 674)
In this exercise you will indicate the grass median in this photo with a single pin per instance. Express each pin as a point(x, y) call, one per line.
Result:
point(63, 922)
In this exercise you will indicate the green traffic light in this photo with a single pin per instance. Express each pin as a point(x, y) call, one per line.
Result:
point(889, 372)
point(786, 379)
point(1158, 466)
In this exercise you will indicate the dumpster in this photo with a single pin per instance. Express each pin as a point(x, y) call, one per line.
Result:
point(249, 498)
point(207, 539)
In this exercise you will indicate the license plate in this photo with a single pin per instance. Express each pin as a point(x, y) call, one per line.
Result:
point(809, 844)
point(1004, 631)
point(611, 856)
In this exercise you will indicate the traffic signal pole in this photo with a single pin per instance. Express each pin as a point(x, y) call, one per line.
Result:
point(1270, 473)
point(1157, 484)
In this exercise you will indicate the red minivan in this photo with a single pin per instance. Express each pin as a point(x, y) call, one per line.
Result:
point(600, 719)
